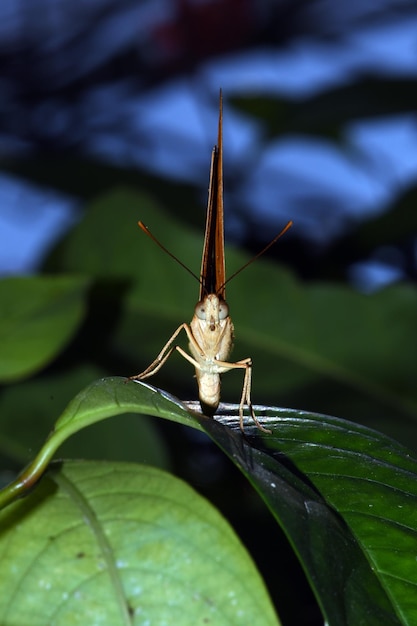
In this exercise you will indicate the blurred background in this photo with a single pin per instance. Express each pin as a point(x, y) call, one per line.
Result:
point(320, 122)
point(108, 114)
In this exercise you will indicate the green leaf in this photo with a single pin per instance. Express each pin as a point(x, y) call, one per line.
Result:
point(29, 408)
point(104, 398)
point(101, 543)
point(38, 317)
point(346, 496)
point(340, 351)
point(359, 347)
point(122, 250)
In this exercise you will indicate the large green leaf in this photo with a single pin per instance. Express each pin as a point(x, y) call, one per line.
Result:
point(322, 345)
point(38, 316)
point(113, 543)
point(343, 492)
point(345, 495)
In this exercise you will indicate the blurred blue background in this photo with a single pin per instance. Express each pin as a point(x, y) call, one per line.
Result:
point(320, 118)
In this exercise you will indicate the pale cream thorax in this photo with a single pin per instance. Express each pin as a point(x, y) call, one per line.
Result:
point(212, 331)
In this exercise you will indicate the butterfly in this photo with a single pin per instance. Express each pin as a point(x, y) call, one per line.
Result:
point(210, 333)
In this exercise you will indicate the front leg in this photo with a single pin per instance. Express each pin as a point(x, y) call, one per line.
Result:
point(162, 357)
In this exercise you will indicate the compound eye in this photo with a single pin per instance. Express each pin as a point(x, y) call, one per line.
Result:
point(223, 311)
point(200, 311)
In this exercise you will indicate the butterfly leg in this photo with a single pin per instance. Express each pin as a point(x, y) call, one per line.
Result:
point(162, 357)
point(245, 364)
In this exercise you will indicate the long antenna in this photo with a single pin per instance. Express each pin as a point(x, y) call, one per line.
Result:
point(158, 243)
point(270, 244)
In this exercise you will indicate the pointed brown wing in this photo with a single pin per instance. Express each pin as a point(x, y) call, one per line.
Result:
point(213, 264)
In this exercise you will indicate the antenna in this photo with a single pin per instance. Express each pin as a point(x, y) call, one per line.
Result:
point(158, 243)
point(146, 230)
point(269, 245)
